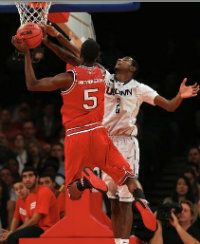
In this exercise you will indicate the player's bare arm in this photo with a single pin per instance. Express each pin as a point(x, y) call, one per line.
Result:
point(50, 30)
point(184, 92)
point(64, 54)
point(60, 81)
point(32, 221)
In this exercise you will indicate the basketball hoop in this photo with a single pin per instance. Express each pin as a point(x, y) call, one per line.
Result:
point(36, 12)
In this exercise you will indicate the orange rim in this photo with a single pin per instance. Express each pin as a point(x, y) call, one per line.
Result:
point(37, 4)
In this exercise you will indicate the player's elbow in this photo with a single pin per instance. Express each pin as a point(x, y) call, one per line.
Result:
point(30, 88)
point(170, 109)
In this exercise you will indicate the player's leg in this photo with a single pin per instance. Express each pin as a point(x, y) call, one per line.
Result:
point(120, 197)
point(120, 171)
point(78, 174)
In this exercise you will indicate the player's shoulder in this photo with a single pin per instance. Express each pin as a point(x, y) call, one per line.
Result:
point(138, 84)
point(109, 78)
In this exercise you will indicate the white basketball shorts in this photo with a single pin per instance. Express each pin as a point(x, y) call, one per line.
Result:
point(128, 146)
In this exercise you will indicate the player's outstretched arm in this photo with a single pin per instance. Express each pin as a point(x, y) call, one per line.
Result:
point(50, 30)
point(184, 92)
point(64, 54)
point(60, 81)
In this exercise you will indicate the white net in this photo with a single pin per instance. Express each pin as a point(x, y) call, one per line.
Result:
point(36, 12)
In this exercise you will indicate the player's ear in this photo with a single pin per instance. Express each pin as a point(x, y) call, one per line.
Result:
point(132, 69)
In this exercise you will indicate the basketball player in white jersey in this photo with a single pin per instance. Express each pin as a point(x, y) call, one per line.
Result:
point(124, 96)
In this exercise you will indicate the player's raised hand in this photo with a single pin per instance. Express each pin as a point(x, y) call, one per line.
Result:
point(50, 30)
point(188, 91)
point(20, 44)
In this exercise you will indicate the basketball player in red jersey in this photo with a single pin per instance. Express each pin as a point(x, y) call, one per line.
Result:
point(87, 144)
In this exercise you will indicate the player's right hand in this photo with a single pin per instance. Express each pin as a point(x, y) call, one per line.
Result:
point(50, 30)
point(20, 44)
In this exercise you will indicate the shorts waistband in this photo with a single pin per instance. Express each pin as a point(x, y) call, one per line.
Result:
point(83, 129)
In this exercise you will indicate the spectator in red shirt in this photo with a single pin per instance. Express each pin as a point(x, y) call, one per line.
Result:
point(41, 207)
point(20, 210)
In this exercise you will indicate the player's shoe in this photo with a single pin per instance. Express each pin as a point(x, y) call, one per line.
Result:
point(94, 181)
point(148, 218)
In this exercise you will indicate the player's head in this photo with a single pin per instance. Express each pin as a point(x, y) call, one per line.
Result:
point(90, 51)
point(126, 64)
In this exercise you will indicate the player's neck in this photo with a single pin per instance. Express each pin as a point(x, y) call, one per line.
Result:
point(123, 78)
point(88, 64)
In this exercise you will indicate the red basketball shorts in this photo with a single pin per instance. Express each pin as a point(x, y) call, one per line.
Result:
point(93, 148)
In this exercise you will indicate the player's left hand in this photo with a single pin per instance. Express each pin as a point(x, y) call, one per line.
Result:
point(188, 91)
point(20, 44)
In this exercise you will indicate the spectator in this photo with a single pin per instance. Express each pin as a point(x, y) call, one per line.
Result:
point(9, 128)
point(190, 174)
point(194, 155)
point(4, 204)
point(7, 177)
point(41, 207)
point(182, 191)
point(48, 123)
point(29, 132)
point(34, 155)
point(183, 228)
point(3, 140)
point(20, 150)
point(13, 165)
point(50, 166)
point(20, 209)
point(22, 113)
point(49, 181)
point(57, 150)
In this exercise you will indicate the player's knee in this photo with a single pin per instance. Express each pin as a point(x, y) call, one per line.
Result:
point(112, 188)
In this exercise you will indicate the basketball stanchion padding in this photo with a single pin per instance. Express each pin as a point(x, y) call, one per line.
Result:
point(96, 207)
point(79, 221)
point(79, 226)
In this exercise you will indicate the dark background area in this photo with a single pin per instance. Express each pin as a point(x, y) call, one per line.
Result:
point(165, 40)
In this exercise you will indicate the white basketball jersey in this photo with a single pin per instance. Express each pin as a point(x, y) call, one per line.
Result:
point(122, 103)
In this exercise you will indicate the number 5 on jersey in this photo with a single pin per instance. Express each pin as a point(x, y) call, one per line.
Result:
point(90, 98)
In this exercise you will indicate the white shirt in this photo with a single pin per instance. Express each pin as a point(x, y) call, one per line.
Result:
point(122, 104)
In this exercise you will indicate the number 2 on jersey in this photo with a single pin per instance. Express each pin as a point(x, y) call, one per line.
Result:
point(88, 96)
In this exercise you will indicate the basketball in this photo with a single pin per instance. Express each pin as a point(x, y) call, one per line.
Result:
point(31, 33)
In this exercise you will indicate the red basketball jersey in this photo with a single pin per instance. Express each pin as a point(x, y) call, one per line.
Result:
point(83, 102)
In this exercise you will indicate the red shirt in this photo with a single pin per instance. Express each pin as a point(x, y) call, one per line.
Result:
point(20, 210)
point(83, 102)
point(44, 202)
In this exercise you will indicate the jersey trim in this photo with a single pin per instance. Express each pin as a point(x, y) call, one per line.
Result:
point(64, 92)
point(84, 128)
